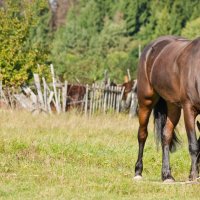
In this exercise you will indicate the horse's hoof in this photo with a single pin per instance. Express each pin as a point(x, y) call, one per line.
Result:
point(137, 178)
point(193, 181)
point(169, 181)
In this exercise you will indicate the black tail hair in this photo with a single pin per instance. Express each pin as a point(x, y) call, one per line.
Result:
point(198, 156)
point(160, 117)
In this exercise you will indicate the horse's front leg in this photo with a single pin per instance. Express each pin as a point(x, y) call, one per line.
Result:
point(189, 118)
point(168, 140)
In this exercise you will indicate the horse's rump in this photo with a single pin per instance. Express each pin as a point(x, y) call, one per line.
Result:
point(153, 50)
point(165, 71)
point(148, 56)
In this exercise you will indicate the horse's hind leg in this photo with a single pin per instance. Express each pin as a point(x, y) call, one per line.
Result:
point(189, 117)
point(144, 112)
point(173, 116)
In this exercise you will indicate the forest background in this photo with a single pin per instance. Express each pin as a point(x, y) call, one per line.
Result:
point(83, 38)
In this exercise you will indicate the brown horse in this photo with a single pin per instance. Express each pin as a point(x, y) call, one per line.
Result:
point(75, 96)
point(168, 81)
point(129, 99)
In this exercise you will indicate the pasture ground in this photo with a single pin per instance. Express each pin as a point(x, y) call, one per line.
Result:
point(73, 157)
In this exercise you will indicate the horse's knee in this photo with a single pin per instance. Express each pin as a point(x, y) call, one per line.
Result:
point(142, 134)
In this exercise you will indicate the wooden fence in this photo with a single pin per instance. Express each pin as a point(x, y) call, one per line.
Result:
point(53, 97)
point(100, 98)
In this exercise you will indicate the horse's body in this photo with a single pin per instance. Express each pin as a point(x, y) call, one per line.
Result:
point(168, 80)
point(75, 96)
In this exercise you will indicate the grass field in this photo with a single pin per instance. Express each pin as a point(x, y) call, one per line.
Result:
point(73, 157)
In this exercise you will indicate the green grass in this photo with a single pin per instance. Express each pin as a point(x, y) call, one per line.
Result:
point(73, 157)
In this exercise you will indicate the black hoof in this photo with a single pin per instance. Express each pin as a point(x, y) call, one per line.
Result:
point(168, 178)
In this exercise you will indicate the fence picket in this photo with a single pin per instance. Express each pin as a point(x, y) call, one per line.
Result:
point(39, 91)
point(64, 96)
point(86, 99)
point(54, 88)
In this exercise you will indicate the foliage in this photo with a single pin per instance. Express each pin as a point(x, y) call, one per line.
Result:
point(97, 35)
point(18, 60)
point(97, 39)
point(192, 29)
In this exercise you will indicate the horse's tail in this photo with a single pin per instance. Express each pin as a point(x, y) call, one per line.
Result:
point(198, 156)
point(160, 118)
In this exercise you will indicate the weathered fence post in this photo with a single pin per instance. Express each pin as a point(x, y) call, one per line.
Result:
point(86, 99)
point(10, 98)
point(99, 98)
point(121, 92)
point(45, 93)
point(91, 100)
point(64, 96)
point(30, 94)
point(114, 98)
point(105, 99)
point(38, 87)
point(49, 101)
point(117, 97)
point(93, 97)
point(59, 101)
point(54, 87)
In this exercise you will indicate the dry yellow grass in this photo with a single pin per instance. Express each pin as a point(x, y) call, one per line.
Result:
point(74, 157)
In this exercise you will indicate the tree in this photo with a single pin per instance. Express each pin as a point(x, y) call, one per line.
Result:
point(17, 59)
point(163, 23)
point(94, 35)
point(192, 29)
